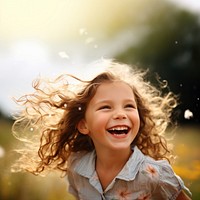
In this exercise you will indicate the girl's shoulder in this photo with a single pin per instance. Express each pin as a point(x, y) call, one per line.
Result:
point(75, 157)
point(160, 165)
point(78, 159)
point(157, 169)
point(161, 174)
point(146, 160)
point(147, 165)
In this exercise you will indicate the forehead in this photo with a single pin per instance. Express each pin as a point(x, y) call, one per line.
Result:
point(115, 89)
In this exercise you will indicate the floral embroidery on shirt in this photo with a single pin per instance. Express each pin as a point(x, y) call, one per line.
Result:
point(151, 171)
point(123, 194)
point(144, 197)
point(151, 180)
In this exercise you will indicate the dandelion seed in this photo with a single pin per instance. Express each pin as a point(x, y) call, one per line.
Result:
point(176, 42)
point(65, 105)
point(89, 40)
point(82, 31)
point(181, 84)
point(31, 129)
point(188, 114)
point(63, 54)
point(79, 108)
point(198, 98)
point(2, 152)
point(95, 46)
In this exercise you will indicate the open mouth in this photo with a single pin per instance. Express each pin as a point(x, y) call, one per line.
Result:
point(119, 130)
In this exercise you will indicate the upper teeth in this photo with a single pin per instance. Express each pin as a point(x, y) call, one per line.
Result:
point(119, 128)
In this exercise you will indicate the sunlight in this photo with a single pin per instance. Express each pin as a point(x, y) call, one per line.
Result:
point(29, 50)
point(54, 20)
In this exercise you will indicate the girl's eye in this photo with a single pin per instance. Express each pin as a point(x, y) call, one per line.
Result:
point(104, 107)
point(130, 106)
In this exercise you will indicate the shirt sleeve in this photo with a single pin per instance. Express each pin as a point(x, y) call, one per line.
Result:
point(71, 175)
point(71, 186)
point(170, 185)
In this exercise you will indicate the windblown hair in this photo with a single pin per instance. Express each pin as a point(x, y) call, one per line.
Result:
point(47, 125)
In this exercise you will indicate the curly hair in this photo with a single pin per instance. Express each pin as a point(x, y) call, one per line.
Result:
point(47, 125)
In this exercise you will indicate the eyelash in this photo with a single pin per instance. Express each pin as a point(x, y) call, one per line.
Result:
point(129, 106)
point(104, 107)
point(108, 107)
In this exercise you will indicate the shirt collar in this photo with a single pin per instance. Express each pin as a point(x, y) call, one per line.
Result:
point(86, 165)
point(132, 166)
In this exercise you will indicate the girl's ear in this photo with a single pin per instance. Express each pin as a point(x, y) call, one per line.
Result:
point(82, 127)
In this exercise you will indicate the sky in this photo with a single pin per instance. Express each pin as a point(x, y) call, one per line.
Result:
point(192, 5)
point(49, 37)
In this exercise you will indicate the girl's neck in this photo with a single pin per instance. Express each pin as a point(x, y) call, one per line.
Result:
point(109, 164)
point(113, 159)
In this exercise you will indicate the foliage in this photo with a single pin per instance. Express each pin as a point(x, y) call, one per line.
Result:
point(171, 48)
point(187, 165)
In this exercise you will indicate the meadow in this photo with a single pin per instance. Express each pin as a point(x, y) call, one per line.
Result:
point(24, 186)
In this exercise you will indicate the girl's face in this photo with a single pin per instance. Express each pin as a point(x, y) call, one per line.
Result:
point(111, 119)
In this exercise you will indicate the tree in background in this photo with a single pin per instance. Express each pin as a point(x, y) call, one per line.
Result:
point(172, 49)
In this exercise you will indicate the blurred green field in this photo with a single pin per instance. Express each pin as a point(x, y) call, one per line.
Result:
point(24, 186)
point(187, 165)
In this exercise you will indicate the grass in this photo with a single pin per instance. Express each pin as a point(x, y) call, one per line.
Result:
point(187, 165)
point(24, 186)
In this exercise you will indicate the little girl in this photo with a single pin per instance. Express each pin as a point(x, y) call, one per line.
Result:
point(105, 134)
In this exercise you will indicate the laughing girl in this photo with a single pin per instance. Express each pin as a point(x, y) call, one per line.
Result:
point(107, 135)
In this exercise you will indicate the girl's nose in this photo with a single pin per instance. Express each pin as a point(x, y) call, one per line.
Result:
point(119, 115)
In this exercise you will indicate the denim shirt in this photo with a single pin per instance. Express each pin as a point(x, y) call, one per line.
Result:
point(142, 178)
